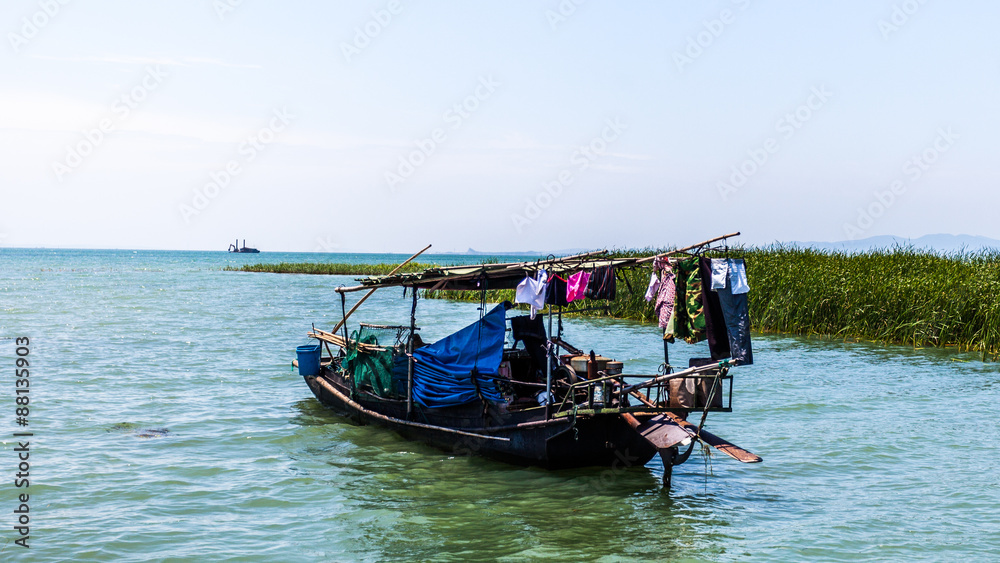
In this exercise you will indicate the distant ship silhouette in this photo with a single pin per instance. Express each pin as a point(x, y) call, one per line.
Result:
point(236, 247)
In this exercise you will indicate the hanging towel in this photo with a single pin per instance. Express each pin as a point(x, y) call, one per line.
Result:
point(738, 277)
point(715, 323)
point(720, 271)
point(576, 286)
point(653, 288)
point(602, 284)
point(729, 271)
point(556, 292)
point(532, 291)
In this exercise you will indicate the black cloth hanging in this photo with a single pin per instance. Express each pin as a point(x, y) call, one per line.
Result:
point(532, 333)
point(736, 310)
point(556, 292)
point(602, 284)
point(715, 322)
point(526, 328)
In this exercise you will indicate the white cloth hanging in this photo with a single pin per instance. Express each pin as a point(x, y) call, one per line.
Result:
point(731, 271)
point(531, 291)
point(720, 271)
point(654, 287)
point(738, 277)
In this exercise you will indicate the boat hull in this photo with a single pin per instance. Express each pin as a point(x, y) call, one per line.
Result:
point(517, 437)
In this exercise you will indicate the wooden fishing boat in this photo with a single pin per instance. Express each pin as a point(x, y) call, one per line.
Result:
point(546, 403)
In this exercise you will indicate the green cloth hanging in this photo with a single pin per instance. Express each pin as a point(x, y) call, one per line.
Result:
point(688, 319)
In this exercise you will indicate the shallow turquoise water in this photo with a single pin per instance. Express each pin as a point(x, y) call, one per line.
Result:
point(871, 452)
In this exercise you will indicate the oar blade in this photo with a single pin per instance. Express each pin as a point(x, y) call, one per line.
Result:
point(721, 444)
point(730, 449)
point(660, 431)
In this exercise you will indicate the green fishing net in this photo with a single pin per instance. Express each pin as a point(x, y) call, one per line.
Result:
point(373, 368)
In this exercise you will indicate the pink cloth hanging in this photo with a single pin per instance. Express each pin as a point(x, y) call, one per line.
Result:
point(576, 286)
point(664, 307)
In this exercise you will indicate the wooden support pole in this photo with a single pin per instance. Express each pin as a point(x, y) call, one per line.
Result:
point(409, 350)
point(369, 294)
point(548, 369)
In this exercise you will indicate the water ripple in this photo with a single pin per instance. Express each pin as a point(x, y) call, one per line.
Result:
point(169, 426)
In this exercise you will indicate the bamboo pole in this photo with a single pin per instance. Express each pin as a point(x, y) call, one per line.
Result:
point(369, 294)
point(506, 265)
point(409, 353)
point(339, 340)
point(556, 260)
point(686, 248)
point(483, 268)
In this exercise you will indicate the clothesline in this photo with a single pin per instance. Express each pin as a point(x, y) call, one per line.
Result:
point(506, 276)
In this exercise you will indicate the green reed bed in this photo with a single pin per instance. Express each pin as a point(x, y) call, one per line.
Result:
point(895, 295)
point(899, 295)
point(327, 268)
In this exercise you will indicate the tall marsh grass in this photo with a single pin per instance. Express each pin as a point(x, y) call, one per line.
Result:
point(894, 295)
point(327, 268)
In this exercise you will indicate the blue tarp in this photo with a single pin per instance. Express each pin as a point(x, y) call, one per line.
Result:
point(442, 375)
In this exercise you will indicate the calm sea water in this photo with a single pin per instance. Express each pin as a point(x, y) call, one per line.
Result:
point(169, 426)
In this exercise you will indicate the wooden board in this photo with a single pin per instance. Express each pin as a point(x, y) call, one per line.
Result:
point(730, 449)
point(660, 431)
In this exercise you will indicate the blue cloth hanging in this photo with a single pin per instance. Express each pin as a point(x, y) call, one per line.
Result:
point(442, 375)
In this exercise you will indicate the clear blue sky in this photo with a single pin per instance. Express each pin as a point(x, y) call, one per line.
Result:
point(516, 125)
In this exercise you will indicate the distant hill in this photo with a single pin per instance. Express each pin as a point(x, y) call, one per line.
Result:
point(938, 243)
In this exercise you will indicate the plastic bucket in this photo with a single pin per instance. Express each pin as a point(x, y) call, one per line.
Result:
point(308, 357)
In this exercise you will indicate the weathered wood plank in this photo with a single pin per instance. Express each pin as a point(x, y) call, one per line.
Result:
point(660, 431)
point(724, 446)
